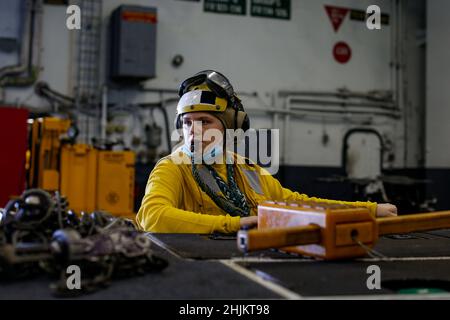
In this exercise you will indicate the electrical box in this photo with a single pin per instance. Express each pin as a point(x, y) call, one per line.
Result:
point(11, 20)
point(133, 43)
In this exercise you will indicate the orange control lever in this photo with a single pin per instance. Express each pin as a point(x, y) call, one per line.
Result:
point(329, 231)
point(414, 223)
point(278, 237)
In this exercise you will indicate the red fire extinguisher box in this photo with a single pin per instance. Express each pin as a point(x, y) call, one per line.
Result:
point(13, 146)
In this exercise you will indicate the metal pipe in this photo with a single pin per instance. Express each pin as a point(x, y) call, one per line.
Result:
point(414, 223)
point(343, 94)
point(162, 107)
point(262, 239)
point(165, 90)
point(274, 116)
point(2, 95)
point(296, 111)
point(289, 109)
point(386, 106)
point(397, 69)
point(403, 84)
point(287, 119)
point(157, 90)
point(347, 108)
point(104, 113)
point(349, 112)
point(31, 35)
point(393, 62)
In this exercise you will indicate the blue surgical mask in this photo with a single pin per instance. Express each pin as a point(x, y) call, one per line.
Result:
point(212, 154)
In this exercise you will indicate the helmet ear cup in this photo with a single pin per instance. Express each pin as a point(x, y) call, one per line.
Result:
point(237, 103)
point(242, 120)
point(246, 122)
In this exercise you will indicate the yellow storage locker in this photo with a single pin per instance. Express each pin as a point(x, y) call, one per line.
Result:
point(115, 182)
point(79, 176)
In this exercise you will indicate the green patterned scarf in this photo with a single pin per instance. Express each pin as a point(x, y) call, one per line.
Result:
point(232, 200)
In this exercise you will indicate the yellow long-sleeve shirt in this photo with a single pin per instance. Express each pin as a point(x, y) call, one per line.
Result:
point(174, 203)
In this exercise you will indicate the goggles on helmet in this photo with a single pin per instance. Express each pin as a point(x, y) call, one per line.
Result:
point(215, 81)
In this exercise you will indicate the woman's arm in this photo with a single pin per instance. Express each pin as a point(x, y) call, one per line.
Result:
point(162, 208)
point(278, 192)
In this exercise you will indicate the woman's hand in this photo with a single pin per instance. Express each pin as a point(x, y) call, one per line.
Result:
point(386, 210)
point(249, 222)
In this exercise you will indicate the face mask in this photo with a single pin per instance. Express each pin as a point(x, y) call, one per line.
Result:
point(211, 155)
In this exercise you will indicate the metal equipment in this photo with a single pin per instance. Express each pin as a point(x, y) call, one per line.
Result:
point(365, 174)
point(90, 178)
point(45, 147)
point(329, 231)
point(38, 234)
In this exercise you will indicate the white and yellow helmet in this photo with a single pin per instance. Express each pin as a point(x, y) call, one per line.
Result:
point(210, 91)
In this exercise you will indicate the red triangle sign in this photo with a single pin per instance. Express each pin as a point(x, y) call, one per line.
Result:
point(337, 15)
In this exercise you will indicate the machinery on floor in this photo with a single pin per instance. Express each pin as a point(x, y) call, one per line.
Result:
point(38, 234)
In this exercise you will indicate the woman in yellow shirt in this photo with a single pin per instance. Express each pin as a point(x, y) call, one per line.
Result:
point(213, 191)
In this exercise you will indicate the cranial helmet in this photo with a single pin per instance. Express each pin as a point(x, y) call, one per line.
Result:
point(211, 91)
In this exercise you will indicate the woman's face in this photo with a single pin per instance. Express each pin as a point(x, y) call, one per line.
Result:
point(202, 126)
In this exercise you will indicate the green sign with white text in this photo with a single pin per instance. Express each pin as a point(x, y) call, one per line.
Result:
point(238, 7)
point(277, 9)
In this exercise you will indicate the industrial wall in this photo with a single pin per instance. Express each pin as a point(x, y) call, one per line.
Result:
point(438, 81)
point(283, 66)
point(262, 56)
point(268, 56)
point(437, 99)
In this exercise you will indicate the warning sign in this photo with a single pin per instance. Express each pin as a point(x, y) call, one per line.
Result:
point(336, 15)
point(342, 52)
point(139, 17)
